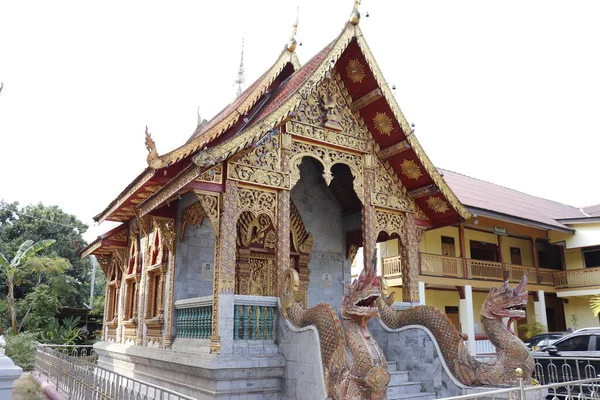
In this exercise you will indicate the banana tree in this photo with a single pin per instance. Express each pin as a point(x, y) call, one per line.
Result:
point(13, 270)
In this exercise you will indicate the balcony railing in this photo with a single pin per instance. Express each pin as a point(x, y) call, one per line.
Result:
point(452, 267)
point(441, 265)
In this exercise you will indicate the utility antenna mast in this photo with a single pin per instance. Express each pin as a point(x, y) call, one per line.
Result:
point(240, 76)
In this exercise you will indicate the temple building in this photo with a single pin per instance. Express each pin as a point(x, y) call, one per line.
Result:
point(309, 164)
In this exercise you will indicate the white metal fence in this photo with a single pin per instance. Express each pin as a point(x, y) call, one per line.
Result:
point(72, 370)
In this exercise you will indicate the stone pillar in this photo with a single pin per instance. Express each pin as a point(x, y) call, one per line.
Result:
point(539, 306)
point(369, 223)
point(467, 320)
point(283, 215)
point(422, 293)
point(221, 339)
point(410, 261)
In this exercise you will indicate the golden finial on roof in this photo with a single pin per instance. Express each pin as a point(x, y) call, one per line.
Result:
point(152, 159)
point(355, 16)
point(291, 46)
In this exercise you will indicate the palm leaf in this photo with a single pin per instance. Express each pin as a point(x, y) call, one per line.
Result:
point(595, 304)
point(4, 262)
point(28, 248)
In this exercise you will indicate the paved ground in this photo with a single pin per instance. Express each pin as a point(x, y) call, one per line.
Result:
point(27, 389)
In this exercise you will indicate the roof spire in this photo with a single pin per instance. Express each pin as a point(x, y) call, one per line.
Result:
point(355, 15)
point(240, 77)
point(291, 46)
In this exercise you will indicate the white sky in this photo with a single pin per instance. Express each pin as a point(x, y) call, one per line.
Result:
point(505, 91)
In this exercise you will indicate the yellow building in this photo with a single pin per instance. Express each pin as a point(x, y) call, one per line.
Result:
point(509, 233)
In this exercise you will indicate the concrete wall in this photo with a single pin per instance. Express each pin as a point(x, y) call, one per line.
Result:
point(303, 376)
point(573, 259)
point(322, 216)
point(585, 235)
point(432, 240)
point(580, 307)
point(191, 255)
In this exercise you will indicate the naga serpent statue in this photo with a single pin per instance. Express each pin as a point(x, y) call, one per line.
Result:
point(511, 353)
point(363, 376)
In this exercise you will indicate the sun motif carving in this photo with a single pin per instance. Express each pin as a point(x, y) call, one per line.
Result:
point(355, 71)
point(436, 204)
point(410, 169)
point(383, 123)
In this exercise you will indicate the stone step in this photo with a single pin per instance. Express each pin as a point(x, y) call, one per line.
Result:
point(404, 388)
point(420, 396)
point(392, 366)
point(398, 377)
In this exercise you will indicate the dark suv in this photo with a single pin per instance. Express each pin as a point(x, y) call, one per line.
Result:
point(576, 356)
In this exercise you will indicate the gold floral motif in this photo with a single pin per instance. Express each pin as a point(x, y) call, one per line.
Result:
point(324, 135)
point(436, 204)
point(270, 240)
point(212, 175)
point(389, 191)
point(355, 71)
point(330, 102)
point(258, 176)
point(410, 169)
point(210, 204)
point(328, 158)
point(257, 202)
point(383, 123)
point(265, 156)
point(193, 215)
point(390, 223)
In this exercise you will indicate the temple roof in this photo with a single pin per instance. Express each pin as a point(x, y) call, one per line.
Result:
point(273, 99)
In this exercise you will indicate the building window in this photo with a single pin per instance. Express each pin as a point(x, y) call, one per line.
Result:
point(448, 248)
point(591, 257)
point(484, 251)
point(515, 256)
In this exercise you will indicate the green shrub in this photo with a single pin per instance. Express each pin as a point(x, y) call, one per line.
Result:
point(528, 330)
point(21, 349)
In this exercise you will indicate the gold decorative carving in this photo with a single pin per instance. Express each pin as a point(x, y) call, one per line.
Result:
point(365, 100)
point(259, 277)
point(410, 169)
point(328, 158)
point(355, 71)
point(436, 204)
point(263, 177)
point(369, 228)
point(420, 214)
point(389, 192)
point(252, 229)
point(212, 175)
point(170, 189)
point(120, 237)
point(390, 223)
point(410, 259)
point(329, 103)
point(383, 123)
point(252, 199)
point(192, 215)
point(257, 202)
point(324, 135)
point(210, 204)
point(166, 228)
point(265, 156)
point(394, 149)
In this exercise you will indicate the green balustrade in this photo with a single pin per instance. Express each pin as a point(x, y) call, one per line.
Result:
point(194, 322)
point(253, 322)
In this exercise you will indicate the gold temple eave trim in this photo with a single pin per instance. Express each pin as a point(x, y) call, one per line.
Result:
point(125, 195)
point(196, 144)
point(412, 140)
point(273, 120)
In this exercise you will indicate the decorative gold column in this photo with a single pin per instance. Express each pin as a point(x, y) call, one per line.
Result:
point(369, 230)
point(283, 217)
point(225, 249)
point(410, 261)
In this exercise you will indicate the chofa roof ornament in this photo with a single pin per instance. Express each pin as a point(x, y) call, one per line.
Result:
point(355, 15)
point(152, 159)
point(291, 46)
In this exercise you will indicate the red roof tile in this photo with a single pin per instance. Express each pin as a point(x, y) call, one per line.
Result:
point(488, 196)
